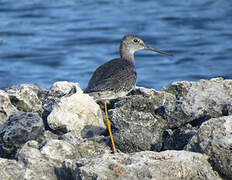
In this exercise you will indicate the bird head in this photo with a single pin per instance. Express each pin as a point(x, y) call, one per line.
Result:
point(133, 43)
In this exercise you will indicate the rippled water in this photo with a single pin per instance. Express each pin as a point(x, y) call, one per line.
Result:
point(42, 42)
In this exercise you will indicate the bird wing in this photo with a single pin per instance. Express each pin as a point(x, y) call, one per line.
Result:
point(112, 76)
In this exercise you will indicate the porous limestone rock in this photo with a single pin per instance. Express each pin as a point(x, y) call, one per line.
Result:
point(214, 138)
point(17, 130)
point(88, 147)
point(136, 127)
point(64, 88)
point(11, 169)
point(146, 114)
point(27, 97)
point(77, 112)
point(35, 164)
point(6, 108)
point(145, 165)
point(56, 151)
point(197, 101)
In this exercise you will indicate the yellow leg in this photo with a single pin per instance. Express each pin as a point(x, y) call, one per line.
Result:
point(109, 129)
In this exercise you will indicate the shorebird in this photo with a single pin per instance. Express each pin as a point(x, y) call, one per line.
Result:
point(116, 78)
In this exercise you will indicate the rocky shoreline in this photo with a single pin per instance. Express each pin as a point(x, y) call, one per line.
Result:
point(181, 132)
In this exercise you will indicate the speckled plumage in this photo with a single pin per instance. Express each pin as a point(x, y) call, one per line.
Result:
point(117, 77)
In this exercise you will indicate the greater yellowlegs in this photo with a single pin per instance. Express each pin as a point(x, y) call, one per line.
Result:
point(116, 78)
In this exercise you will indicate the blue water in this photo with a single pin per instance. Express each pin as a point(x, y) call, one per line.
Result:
point(42, 42)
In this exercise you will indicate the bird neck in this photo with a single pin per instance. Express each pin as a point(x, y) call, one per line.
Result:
point(127, 54)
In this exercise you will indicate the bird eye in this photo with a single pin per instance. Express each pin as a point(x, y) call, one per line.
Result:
point(136, 40)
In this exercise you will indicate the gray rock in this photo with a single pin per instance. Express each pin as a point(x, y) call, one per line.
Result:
point(178, 138)
point(27, 97)
point(197, 101)
point(144, 165)
point(18, 129)
point(147, 114)
point(214, 138)
point(46, 162)
point(35, 164)
point(135, 123)
point(56, 151)
point(87, 148)
point(48, 105)
point(144, 120)
point(11, 169)
point(77, 112)
point(6, 108)
point(64, 88)
point(46, 136)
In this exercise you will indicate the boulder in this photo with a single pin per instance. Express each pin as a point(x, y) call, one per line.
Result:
point(6, 108)
point(145, 165)
point(17, 130)
point(76, 112)
point(159, 118)
point(35, 164)
point(27, 97)
point(56, 151)
point(214, 138)
point(134, 117)
point(64, 88)
point(71, 141)
point(11, 169)
point(197, 102)
point(58, 90)
point(88, 147)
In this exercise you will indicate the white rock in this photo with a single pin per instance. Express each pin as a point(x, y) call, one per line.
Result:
point(56, 151)
point(77, 112)
point(11, 169)
point(6, 108)
point(62, 88)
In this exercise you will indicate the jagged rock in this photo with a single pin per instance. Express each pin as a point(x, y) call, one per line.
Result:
point(46, 136)
point(214, 138)
point(56, 151)
point(27, 97)
point(11, 169)
point(36, 165)
point(6, 108)
point(64, 88)
point(17, 130)
point(87, 148)
point(197, 101)
point(144, 165)
point(58, 90)
point(77, 112)
point(134, 118)
point(147, 114)
point(146, 119)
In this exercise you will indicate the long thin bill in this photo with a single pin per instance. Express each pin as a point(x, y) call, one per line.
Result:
point(158, 51)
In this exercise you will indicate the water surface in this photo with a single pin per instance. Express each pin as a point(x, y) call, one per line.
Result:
point(42, 42)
